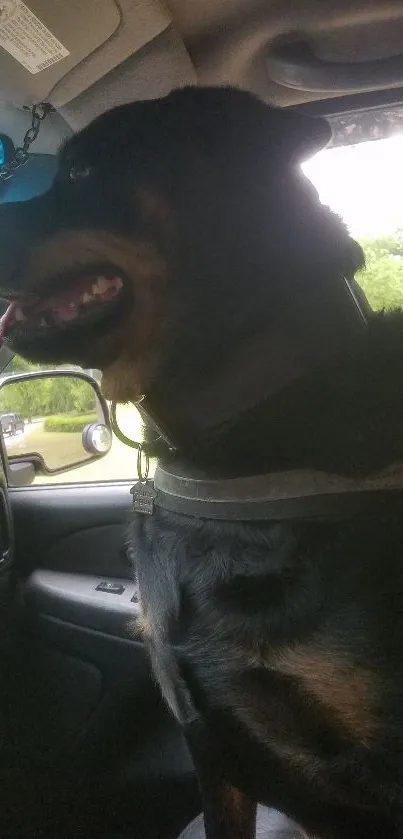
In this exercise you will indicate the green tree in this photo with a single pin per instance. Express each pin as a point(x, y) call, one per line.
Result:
point(68, 395)
point(24, 398)
point(20, 365)
point(53, 395)
point(382, 278)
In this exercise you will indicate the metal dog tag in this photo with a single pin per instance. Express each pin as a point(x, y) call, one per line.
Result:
point(144, 495)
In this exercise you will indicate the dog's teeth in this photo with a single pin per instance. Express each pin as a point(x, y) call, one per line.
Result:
point(19, 315)
point(102, 285)
point(95, 289)
point(86, 298)
point(117, 283)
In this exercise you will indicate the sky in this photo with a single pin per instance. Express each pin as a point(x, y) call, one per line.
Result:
point(363, 184)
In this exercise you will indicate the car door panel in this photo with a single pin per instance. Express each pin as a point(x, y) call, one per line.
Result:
point(103, 604)
point(81, 715)
point(97, 550)
point(73, 527)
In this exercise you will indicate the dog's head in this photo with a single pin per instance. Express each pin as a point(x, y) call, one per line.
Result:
point(174, 229)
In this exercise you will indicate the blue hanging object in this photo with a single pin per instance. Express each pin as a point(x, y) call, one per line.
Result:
point(31, 180)
point(6, 154)
point(6, 149)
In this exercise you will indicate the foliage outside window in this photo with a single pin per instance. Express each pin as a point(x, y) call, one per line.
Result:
point(382, 279)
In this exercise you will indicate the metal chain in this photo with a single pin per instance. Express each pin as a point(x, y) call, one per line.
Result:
point(119, 434)
point(143, 464)
point(21, 154)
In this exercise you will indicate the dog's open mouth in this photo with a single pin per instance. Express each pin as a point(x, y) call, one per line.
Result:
point(77, 303)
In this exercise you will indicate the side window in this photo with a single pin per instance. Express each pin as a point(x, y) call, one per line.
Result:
point(51, 424)
point(363, 184)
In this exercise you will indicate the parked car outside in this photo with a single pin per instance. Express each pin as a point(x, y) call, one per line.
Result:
point(11, 424)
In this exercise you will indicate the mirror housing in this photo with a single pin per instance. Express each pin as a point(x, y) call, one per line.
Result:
point(52, 421)
point(21, 473)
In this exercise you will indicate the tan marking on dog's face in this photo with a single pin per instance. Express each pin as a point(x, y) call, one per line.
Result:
point(128, 353)
point(347, 690)
point(125, 342)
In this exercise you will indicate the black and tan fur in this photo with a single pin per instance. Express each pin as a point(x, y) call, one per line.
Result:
point(278, 645)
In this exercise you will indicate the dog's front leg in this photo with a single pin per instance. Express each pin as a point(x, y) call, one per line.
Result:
point(228, 812)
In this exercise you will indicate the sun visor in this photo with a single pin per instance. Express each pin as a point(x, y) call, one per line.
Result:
point(153, 71)
point(54, 51)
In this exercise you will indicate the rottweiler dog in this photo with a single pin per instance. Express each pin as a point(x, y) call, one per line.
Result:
point(182, 251)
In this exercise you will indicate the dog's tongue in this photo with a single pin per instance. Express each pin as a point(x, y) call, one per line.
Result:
point(5, 321)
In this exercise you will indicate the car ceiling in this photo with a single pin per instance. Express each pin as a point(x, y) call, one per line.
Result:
point(132, 49)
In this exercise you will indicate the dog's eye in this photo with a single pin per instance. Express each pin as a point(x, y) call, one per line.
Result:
point(78, 173)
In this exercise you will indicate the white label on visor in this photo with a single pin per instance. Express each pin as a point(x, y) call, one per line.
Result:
point(27, 39)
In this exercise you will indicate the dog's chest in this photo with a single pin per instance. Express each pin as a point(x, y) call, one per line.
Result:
point(284, 718)
point(283, 698)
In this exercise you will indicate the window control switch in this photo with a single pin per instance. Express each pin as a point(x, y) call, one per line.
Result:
point(110, 588)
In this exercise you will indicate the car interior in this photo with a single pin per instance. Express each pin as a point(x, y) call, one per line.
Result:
point(87, 746)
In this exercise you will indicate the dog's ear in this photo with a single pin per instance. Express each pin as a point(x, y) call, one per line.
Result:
point(224, 119)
